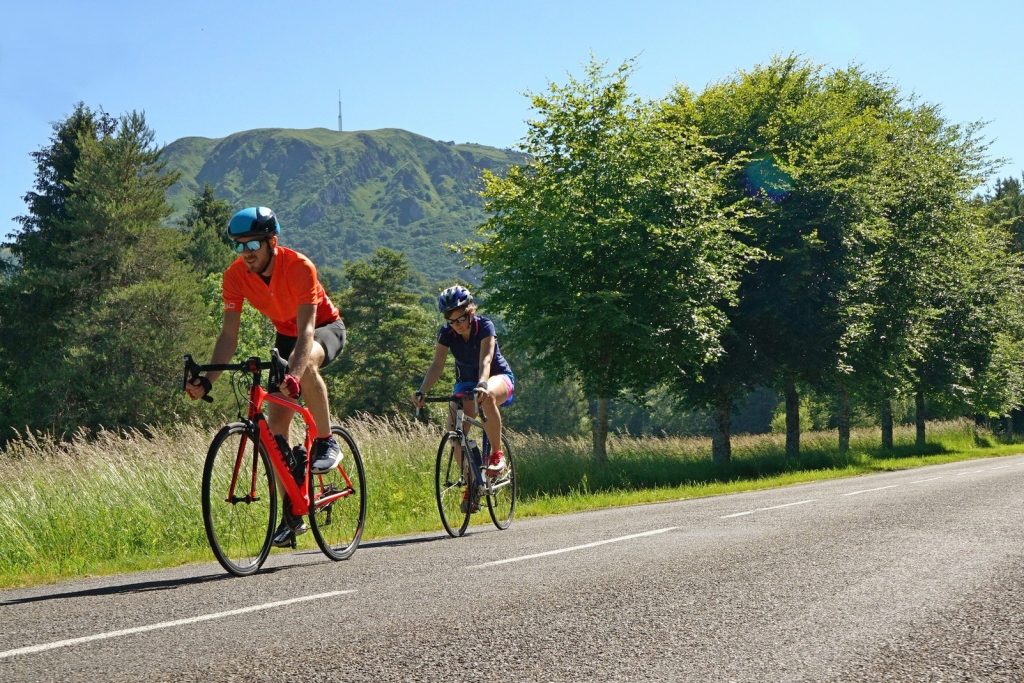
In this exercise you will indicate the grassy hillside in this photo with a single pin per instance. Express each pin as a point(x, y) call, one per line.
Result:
point(340, 195)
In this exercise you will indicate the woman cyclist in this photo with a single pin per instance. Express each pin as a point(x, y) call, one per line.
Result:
point(479, 366)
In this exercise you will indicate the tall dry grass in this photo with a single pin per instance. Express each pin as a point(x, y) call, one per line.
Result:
point(114, 501)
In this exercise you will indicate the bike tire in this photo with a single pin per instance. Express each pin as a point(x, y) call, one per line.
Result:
point(239, 528)
point(502, 491)
point(338, 525)
point(450, 482)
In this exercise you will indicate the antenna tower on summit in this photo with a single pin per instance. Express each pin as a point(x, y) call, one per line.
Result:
point(339, 111)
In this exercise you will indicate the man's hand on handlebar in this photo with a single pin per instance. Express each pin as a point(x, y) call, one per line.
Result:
point(290, 386)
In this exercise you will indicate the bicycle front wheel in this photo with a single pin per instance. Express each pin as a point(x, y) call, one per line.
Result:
point(501, 490)
point(338, 501)
point(239, 500)
point(450, 486)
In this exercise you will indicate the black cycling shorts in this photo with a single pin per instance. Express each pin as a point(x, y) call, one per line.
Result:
point(330, 336)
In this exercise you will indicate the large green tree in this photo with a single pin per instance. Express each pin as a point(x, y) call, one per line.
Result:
point(797, 138)
point(390, 337)
point(610, 253)
point(105, 307)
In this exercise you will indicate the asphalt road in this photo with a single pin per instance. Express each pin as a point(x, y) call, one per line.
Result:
point(905, 576)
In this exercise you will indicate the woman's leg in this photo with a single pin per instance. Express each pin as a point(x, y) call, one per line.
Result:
point(497, 393)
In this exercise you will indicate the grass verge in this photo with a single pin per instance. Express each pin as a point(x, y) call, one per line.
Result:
point(118, 502)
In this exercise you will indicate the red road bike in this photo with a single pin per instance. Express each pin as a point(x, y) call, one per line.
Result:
point(245, 465)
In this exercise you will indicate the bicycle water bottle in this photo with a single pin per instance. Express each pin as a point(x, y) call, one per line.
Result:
point(298, 463)
point(475, 458)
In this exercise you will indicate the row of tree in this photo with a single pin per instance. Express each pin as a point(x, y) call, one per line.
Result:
point(789, 227)
point(811, 232)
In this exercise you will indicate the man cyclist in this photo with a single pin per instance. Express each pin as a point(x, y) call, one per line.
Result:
point(281, 284)
point(479, 366)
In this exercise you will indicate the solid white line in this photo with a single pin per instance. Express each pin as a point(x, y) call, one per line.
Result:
point(575, 547)
point(32, 649)
point(919, 481)
point(880, 488)
point(773, 507)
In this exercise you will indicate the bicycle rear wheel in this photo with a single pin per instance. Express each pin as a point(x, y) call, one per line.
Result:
point(338, 501)
point(239, 500)
point(450, 482)
point(501, 492)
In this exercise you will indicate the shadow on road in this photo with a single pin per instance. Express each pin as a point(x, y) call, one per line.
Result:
point(134, 587)
point(394, 543)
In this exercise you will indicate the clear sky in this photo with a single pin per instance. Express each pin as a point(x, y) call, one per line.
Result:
point(458, 69)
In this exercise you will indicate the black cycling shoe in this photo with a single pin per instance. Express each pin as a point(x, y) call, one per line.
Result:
point(289, 528)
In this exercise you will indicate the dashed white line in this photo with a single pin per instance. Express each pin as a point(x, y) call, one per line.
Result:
point(521, 558)
point(880, 488)
point(32, 649)
point(921, 481)
point(1001, 467)
point(773, 507)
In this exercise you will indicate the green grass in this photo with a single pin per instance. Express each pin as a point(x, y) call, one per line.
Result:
point(120, 502)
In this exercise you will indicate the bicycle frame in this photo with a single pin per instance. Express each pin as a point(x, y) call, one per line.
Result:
point(257, 422)
point(458, 432)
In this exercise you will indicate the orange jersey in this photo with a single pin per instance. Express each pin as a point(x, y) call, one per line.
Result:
point(292, 284)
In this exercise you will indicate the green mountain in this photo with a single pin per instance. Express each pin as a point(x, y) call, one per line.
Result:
point(340, 195)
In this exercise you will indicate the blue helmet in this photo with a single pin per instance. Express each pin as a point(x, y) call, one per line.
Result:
point(256, 221)
point(452, 298)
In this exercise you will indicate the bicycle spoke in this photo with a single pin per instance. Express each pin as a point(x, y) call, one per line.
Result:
point(239, 504)
point(338, 501)
point(449, 488)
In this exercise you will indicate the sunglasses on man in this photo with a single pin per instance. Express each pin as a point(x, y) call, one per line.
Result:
point(458, 321)
point(250, 245)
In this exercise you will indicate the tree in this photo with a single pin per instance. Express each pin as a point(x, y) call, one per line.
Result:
point(390, 337)
point(803, 146)
point(110, 356)
point(609, 253)
point(208, 249)
point(1006, 206)
point(935, 280)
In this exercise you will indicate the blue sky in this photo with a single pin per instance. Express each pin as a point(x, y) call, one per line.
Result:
point(458, 70)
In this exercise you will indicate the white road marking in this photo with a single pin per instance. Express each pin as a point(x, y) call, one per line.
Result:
point(32, 649)
point(880, 488)
point(921, 481)
point(575, 547)
point(773, 507)
point(1001, 467)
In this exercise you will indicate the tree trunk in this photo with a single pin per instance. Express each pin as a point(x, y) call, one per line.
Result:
point(721, 444)
point(599, 427)
point(887, 424)
point(843, 419)
point(792, 421)
point(919, 418)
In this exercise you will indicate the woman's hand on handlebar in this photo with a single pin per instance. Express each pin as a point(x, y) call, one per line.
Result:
point(197, 387)
point(417, 400)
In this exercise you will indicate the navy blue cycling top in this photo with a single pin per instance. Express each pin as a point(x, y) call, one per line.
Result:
point(467, 352)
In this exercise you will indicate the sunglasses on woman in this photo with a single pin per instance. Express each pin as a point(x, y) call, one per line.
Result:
point(458, 321)
point(250, 245)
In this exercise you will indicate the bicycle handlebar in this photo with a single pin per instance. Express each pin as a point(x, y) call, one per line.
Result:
point(453, 398)
point(253, 365)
